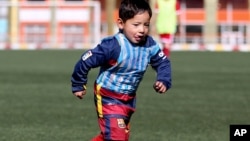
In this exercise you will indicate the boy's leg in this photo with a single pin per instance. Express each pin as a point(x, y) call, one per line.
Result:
point(114, 128)
point(113, 114)
point(98, 138)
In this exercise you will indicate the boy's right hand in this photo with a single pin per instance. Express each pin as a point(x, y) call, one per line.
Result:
point(159, 87)
point(80, 94)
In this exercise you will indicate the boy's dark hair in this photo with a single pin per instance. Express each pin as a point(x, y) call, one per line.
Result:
point(129, 8)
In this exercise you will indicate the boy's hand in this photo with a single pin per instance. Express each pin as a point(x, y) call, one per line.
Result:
point(80, 94)
point(159, 87)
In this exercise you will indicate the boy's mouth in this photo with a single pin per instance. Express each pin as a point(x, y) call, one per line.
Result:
point(139, 38)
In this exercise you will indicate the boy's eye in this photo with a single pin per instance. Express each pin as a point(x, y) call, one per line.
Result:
point(139, 24)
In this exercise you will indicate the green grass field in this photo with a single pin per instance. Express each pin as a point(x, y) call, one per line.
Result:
point(210, 91)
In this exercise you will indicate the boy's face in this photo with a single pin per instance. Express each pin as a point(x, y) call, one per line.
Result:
point(136, 28)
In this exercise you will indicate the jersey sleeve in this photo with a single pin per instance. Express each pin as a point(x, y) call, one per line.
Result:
point(163, 68)
point(107, 50)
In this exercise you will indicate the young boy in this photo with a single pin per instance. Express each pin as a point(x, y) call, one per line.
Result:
point(123, 60)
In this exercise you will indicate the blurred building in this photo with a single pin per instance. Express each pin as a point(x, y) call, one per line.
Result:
point(49, 24)
point(61, 24)
point(215, 24)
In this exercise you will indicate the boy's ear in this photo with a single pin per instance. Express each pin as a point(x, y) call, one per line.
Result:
point(120, 23)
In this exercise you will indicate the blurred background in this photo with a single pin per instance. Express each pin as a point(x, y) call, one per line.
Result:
point(210, 71)
point(214, 25)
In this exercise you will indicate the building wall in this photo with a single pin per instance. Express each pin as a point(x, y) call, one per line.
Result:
point(52, 24)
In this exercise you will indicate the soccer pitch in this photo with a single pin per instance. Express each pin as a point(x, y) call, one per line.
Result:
point(211, 90)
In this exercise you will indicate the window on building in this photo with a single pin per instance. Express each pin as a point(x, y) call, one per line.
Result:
point(240, 4)
point(194, 33)
point(3, 22)
point(236, 4)
point(73, 34)
point(35, 34)
point(3, 12)
point(194, 3)
point(3, 29)
point(233, 34)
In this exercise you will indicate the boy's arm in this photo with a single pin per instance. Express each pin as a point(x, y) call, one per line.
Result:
point(92, 58)
point(163, 68)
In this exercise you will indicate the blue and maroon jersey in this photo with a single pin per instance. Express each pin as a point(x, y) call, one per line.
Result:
point(122, 64)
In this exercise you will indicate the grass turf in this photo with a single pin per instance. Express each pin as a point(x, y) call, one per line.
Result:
point(210, 91)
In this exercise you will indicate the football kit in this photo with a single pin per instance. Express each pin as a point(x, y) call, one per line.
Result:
point(122, 66)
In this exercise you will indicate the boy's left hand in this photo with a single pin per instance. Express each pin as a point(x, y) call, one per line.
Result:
point(159, 87)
